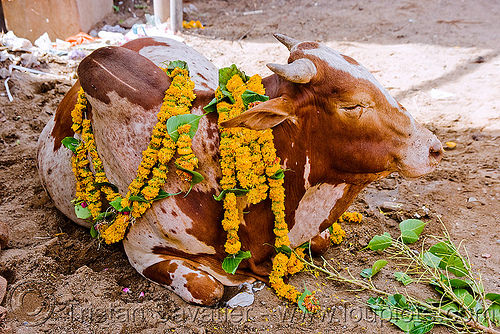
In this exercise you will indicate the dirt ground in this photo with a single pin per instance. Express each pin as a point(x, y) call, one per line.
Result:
point(441, 59)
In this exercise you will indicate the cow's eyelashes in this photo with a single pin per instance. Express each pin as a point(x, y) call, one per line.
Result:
point(354, 110)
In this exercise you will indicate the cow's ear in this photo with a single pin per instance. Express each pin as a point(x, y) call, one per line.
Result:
point(263, 116)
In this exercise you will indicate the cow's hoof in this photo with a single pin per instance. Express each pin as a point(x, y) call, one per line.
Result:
point(193, 285)
point(320, 243)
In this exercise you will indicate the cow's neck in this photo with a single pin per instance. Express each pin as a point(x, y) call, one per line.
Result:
point(316, 195)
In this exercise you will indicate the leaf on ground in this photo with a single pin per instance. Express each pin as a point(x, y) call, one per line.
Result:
point(403, 278)
point(411, 230)
point(380, 242)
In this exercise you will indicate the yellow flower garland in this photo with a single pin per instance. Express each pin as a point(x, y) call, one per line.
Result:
point(248, 161)
point(161, 149)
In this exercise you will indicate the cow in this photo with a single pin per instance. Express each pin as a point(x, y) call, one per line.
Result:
point(335, 128)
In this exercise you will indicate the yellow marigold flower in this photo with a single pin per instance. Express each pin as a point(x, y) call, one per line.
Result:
point(116, 231)
point(337, 234)
point(351, 217)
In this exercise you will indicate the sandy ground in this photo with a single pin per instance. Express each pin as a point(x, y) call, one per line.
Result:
point(439, 59)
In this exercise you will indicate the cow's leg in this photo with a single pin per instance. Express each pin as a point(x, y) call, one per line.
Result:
point(192, 285)
point(321, 242)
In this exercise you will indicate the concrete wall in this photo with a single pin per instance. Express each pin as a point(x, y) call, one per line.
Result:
point(59, 18)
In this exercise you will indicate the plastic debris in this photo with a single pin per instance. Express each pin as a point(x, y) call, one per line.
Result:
point(127, 290)
point(79, 38)
point(14, 43)
point(438, 94)
point(141, 294)
point(486, 255)
point(8, 90)
point(244, 298)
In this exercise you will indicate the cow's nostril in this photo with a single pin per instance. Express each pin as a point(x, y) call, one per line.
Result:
point(436, 152)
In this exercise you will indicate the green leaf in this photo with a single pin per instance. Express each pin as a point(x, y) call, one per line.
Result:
point(231, 262)
point(138, 198)
point(93, 232)
point(301, 300)
point(70, 143)
point(450, 306)
point(403, 278)
point(284, 249)
point(81, 212)
point(104, 215)
point(106, 184)
point(494, 297)
point(176, 63)
point(494, 313)
point(237, 192)
point(163, 194)
point(195, 177)
point(248, 97)
point(377, 266)
point(465, 297)
point(380, 242)
point(411, 230)
point(117, 204)
point(212, 106)
point(431, 260)
point(174, 122)
point(279, 175)
point(422, 328)
point(225, 74)
point(398, 300)
point(366, 273)
point(450, 259)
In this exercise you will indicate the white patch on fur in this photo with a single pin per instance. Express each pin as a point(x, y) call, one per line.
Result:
point(203, 73)
point(307, 171)
point(54, 168)
point(314, 207)
point(336, 61)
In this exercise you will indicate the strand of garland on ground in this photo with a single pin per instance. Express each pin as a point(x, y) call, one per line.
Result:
point(249, 165)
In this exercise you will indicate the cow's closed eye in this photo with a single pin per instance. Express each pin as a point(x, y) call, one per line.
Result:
point(352, 110)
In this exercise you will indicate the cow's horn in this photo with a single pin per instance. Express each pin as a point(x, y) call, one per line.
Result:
point(300, 71)
point(286, 41)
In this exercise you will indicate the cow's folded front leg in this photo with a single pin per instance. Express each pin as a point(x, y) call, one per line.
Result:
point(192, 285)
point(320, 243)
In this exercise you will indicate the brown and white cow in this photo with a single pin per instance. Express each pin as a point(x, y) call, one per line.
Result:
point(336, 130)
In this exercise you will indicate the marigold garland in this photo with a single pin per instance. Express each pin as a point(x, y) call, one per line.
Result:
point(337, 234)
point(248, 161)
point(152, 171)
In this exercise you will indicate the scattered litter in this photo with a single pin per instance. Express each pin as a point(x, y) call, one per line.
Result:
point(190, 8)
point(450, 145)
point(141, 294)
point(253, 12)
point(127, 290)
point(15, 43)
point(115, 28)
point(472, 199)
point(416, 215)
point(440, 94)
point(486, 255)
point(8, 90)
point(244, 298)
point(76, 54)
point(25, 69)
point(79, 38)
point(111, 37)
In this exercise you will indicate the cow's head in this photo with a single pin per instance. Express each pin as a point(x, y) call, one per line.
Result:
point(344, 115)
